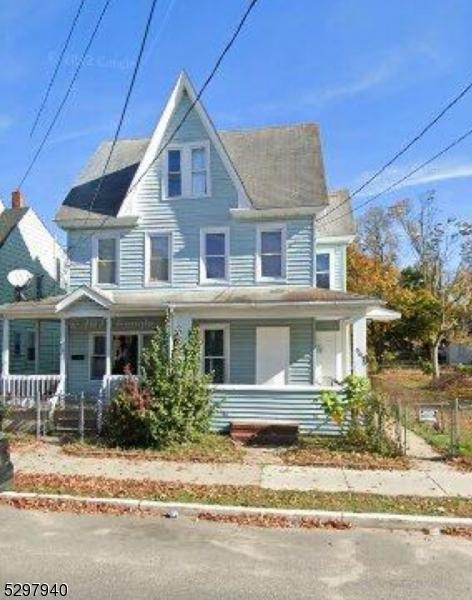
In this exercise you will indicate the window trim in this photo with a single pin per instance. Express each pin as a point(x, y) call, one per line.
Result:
point(91, 353)
point(202, 275)
point(268, 228)
point(95, 242)
point(92, 334)
point(226, 346)
point(186, 170)
point(147, 257)
point(332, 256)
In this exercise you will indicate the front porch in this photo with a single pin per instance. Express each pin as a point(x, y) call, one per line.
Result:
point(269, 361)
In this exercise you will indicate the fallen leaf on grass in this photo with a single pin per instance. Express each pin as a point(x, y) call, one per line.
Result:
point(281, 521)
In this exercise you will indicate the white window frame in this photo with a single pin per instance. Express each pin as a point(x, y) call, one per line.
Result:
point(140, 334)
point(91, 353)
point(226, 346)
point(95, 241)
point(186, 170)
point(268, 228)
point(147, 258)
point(332, 258)
point(203, 278)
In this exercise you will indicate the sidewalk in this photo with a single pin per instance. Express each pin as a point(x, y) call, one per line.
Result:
point(441, 482)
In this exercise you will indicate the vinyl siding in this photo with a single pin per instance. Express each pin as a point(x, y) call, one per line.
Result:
point(79, 331)
point(304, 407)
point(184, 218)
point(243, 349)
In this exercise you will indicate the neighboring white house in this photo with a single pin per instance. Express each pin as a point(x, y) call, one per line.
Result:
point(224, 230)
point(26, 243)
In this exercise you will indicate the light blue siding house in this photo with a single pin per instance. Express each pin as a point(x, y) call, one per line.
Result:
point(26, 243)
point(219, 229)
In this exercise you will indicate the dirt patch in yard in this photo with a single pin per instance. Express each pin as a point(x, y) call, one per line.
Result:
point(324, 451)
point(211, 448)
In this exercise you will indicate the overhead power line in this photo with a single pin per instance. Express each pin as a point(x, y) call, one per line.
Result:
point(66, 95)
point(404, 177)
point(57, 67)
point(213, 72)
point(404, 149)
point(125, 105)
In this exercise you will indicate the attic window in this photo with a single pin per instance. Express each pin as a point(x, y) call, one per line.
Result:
point(187, 171)
point(174, 173)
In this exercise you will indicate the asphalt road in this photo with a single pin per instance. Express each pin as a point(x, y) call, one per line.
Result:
point(132, 557)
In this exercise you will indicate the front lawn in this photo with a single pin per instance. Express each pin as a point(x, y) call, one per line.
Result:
point(327, 451)
point(209, 448)
point(248, 495)
point(412, 388)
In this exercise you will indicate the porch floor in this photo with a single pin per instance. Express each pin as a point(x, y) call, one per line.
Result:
point(48, 459)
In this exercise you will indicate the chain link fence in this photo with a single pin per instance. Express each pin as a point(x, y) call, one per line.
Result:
point(445, 425)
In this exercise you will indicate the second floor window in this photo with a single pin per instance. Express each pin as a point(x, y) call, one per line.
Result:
point(158, 258)
point(187, 171)
point(271, 253)
point(106, 261)
point(323, 270)
point(214, 259)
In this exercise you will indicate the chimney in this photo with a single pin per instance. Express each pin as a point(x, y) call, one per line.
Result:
point(17, 200)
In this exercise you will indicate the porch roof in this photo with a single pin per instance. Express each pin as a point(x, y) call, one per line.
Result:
point(158, 300)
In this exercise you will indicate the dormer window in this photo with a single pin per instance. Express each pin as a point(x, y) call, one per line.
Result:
point(187, 171)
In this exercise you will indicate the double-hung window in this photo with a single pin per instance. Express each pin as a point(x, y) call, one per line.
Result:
point(174, 173)
point(199, 172)
point(323, 270)
point(187, 171)
point(158, 258)
point(215, 352)
point(271, 253)
point(214, 261)
point(105, 266)
point(97, 357)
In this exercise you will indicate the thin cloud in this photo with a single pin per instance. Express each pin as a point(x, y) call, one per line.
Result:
point(431, 174)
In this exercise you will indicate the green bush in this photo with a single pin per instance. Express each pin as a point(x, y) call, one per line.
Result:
point(426, 366)
point(171, 403)
point(362, 415)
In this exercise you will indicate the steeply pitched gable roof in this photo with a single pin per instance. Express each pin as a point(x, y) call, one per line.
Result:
point(278, 166)
point(9, 219)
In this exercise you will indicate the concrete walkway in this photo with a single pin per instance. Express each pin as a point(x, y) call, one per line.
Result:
point(418, 482)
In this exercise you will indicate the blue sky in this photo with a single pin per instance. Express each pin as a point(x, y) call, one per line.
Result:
point(371, 73)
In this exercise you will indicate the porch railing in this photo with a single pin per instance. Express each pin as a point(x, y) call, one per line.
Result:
point(111, 382)
point(25, 389)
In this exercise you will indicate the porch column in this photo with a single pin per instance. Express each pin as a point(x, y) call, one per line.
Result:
point(6, 347)
point(108, 346)
point(359, 346)
point(63, 355)
point(182, 323)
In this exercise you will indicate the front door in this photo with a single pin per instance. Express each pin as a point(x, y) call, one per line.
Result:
point(272, 355)
point(328, 357)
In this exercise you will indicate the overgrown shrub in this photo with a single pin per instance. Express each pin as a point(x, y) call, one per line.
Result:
point(362, 415)
point(171, 403)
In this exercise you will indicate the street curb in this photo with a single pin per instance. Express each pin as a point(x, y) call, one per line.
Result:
point(367, 520)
